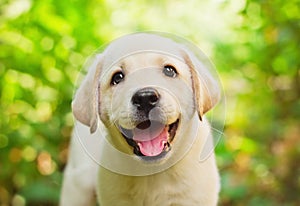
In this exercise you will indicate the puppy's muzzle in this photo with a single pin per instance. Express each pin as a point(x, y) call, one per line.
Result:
point(152, 135)
point(145, 99)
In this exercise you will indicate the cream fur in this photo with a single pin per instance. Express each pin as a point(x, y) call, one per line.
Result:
point(185, 180)
point(188, 183)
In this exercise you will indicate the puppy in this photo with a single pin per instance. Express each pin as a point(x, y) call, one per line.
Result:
point(141, 129)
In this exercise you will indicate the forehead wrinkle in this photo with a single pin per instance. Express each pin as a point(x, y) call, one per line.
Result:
point(157, 60)
point(141, 61)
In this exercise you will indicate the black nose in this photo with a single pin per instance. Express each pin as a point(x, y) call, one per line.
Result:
point(145, 99)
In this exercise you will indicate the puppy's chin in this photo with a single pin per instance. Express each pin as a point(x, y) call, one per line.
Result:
point(150, 139)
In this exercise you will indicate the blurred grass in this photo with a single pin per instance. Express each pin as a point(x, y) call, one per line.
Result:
point(254, 45)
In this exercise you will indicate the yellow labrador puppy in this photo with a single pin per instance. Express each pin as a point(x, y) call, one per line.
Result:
point(141, 130)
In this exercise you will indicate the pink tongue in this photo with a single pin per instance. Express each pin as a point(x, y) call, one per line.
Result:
point(151, 143)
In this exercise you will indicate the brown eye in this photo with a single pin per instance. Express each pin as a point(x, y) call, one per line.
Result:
point(170, 71)
point(117, 78)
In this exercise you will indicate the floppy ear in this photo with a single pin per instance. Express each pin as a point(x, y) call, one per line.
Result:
point(205, 88)
point(86, 100)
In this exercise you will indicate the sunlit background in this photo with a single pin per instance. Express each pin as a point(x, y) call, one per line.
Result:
point(255, 46)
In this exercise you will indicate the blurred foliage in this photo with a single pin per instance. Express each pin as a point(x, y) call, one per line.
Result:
point(255, 45)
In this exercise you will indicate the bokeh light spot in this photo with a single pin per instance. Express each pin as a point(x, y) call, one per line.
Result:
point(29, 153)
point(15, 155)
point(46, 165)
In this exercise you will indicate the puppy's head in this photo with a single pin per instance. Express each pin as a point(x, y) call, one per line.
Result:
point(145, 91)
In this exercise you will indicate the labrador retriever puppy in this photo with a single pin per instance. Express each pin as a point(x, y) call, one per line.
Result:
point(141, 128)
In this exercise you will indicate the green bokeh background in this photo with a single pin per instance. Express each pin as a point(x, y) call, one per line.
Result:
point(254, 44)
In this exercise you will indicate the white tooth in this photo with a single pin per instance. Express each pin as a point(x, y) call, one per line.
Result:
point(167, 147)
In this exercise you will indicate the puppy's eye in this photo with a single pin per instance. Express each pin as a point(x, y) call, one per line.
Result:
point(170, 71)
point(117, 78)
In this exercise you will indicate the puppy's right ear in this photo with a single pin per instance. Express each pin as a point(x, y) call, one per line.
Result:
point(86, 100)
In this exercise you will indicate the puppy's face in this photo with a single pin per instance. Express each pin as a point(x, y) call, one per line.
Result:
point(145, 89)
point(144, 100)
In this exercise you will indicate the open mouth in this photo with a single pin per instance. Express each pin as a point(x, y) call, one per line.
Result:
point(150, 138)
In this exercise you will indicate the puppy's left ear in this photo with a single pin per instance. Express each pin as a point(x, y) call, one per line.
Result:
point(86, 101)
point(205, 88)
